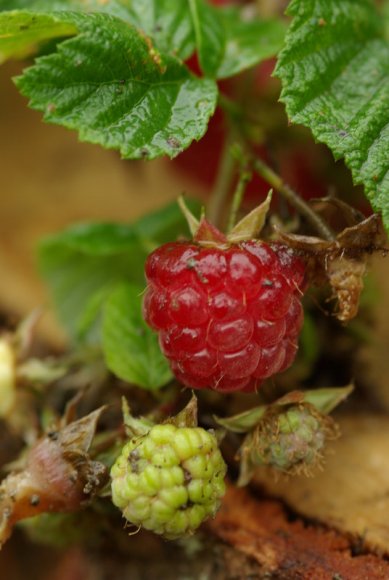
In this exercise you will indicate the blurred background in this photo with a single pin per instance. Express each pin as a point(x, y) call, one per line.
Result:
point(50, 180)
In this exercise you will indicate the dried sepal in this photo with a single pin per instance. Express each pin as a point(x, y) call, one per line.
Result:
point(24, 334)
point(342, 262)
point(367, 236)
point(39, 373)
point(346, 279)
point(337, 213)
point(78, 435)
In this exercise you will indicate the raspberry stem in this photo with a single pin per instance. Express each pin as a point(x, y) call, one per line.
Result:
point(235, 114)
point(224, 178)
point(293, 198)
point(244, 178)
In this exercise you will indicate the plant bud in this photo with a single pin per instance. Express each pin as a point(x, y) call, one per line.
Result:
point(288, 439)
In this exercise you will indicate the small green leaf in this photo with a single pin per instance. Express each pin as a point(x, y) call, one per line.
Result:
point(112, 85)
point(75, 276)
point(84, 262)
point(334, 71)
point(209, 33)
point(98, 239)
point(89, 322)
point(167, 22)
point(39, 5)
point(243, 422)
point(248, 42)
point(325, 400)
point(20, 32)
point(228, 42)
point(167, 223)
point(131, 349)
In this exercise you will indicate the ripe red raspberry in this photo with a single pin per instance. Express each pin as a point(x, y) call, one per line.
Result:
point(227, 319)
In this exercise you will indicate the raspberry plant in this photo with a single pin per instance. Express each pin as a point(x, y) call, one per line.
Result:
point(150, 311)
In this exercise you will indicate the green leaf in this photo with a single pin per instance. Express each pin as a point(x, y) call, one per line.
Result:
point(88, 324)
point(165, 224)
point(167, 22)
point(75, 275)
point(117, 90)
point(21, 31)
point(325, 400)
point(386, 17)
point(84, 262)
point(228, 42)
point(334, 71)
point(209, 33)
point(39, 5)
point(243, 422)
point(248, 42)
point(130, 347)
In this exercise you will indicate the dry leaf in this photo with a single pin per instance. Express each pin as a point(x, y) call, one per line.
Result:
point(342, 262)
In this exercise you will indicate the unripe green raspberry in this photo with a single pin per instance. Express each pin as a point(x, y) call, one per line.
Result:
point(291, 440)
point(299, 439)
point(169, 480)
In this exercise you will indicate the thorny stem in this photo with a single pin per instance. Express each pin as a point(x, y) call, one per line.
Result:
point(293, 198)
point(222, 186)
point(244, 179)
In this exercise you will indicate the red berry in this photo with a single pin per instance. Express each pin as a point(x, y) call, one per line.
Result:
point(227, 319)
point(176, 341)
point(230, 335)
point(222, 305)
point(188, 306)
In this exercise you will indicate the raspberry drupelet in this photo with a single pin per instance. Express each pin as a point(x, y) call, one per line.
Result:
point(227, 318)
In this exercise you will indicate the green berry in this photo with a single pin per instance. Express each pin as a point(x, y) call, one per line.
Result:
point(293, 439)
point(169, 480)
